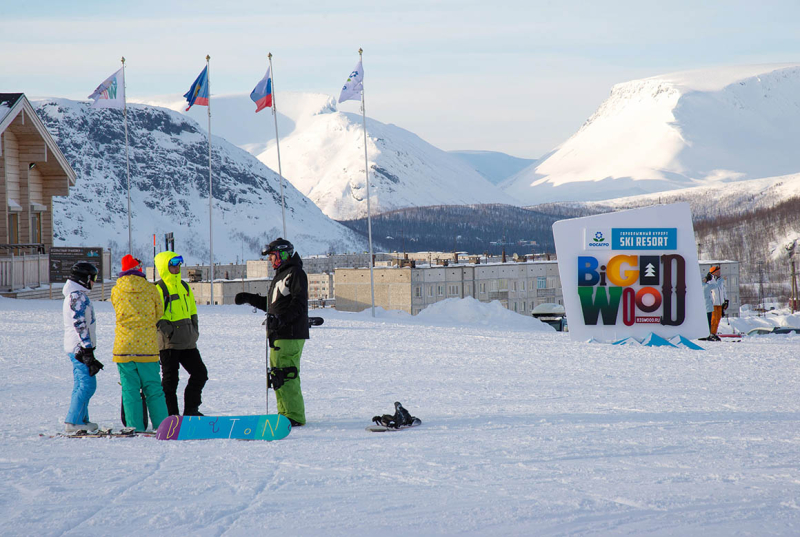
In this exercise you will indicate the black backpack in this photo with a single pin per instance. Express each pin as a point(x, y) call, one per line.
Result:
point(165, 293)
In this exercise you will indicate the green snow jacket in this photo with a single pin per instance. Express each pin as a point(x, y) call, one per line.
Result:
point(178, 327)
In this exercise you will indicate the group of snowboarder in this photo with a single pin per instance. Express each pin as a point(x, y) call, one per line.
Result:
point(158, 324)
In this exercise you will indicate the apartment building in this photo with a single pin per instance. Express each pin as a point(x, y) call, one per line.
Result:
point(519, 287)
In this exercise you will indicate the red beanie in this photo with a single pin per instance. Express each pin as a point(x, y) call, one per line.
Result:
point(129, 262)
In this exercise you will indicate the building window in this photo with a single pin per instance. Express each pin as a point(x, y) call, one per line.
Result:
point(13, 228)
point(515, 306)
point(430, 290)
point(523, 307)
point(417, 291)
point(453, 290)
point(541, 282)
point(483, 288)
point(493, 286)
point(514, 285)
point(523, 288)
point(440, 289)
point(36, 227)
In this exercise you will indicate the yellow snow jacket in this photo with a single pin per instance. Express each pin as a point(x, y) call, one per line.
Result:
point(138, 307)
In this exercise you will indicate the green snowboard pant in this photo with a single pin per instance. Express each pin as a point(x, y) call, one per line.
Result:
point(144, 376)
point(289, 396)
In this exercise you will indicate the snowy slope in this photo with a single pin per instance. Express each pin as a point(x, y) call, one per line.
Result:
point(322, 154)
point(524, 433)
point(169, 188)
point(675, 131)
point(493, 165)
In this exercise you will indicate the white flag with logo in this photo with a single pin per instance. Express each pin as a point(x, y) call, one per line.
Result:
point(111, 93)
point(355, 83)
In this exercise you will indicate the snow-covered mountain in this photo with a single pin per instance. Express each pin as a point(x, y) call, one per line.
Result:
point(493, 165)
point(322, 154)
point(169, 188)
point(675, 131)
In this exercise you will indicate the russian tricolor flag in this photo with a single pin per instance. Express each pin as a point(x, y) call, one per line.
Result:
point(262, 94)
point(198, 93)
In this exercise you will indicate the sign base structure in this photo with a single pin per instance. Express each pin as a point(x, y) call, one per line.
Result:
point(654, 340)
point(263, 427)
point(632, 274)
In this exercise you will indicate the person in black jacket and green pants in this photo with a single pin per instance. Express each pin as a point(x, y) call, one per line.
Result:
point(286, 305)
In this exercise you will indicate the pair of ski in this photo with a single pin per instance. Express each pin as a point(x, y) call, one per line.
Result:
point(125, 432)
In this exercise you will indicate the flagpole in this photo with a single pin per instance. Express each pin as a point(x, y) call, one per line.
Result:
point(127, 161)
point(210, 194)
point(277, 142)
point(366, 171)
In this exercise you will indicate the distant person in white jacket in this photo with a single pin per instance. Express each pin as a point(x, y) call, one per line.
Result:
point(707, 285)
point(719, 298)
point(79, 344)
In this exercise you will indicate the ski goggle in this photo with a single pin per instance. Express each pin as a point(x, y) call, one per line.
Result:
point(93, 277)
point(175, 261)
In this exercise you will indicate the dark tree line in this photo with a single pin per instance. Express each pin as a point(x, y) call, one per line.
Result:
point(469, 228)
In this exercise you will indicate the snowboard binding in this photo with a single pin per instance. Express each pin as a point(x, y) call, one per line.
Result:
point(401, 418)
point(279, 375)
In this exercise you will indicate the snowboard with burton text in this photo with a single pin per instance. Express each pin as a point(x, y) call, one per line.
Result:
point(260, 427)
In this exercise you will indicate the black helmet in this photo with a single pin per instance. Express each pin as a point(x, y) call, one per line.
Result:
point(83, 272)
point(283, 248)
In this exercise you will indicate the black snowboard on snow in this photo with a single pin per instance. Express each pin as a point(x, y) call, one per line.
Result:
point(397, 422)
point(315, 321)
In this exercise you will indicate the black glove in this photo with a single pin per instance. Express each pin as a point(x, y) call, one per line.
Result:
point(85, 355)
point(725, 305)
point(244, 298)
point(94, 367)
point(274, 323)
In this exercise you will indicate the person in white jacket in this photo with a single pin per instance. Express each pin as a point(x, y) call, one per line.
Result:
point(79, 344)
point(719, 298)
point(707, 286)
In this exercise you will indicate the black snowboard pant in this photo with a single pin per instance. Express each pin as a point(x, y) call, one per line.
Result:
point(171, 360)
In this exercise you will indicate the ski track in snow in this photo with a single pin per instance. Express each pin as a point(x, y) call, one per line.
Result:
point(524, 433)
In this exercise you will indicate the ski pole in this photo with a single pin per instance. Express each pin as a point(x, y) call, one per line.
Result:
point(266, 329)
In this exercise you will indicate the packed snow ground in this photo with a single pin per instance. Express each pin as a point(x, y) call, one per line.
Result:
point(524, 433)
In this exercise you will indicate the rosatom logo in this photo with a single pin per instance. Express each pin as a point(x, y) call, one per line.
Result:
point(652, 288)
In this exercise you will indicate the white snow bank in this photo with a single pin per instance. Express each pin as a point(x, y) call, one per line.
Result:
point(749, 320)
point(470, 311)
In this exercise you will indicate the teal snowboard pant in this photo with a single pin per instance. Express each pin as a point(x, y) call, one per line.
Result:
point(144, 376)
point(289, 396)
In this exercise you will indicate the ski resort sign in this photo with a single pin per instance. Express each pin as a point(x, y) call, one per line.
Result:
point(631, 273)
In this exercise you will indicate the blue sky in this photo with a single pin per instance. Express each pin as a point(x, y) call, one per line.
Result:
point(517, 77)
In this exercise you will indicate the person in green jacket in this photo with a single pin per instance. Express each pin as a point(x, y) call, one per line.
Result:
point(178, 331)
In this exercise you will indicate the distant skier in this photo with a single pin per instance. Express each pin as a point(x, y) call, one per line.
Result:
point(138, 307)
point(286, 305)
point(178, 332)
point(719, 297)
point(79, 343)
point(707, 285)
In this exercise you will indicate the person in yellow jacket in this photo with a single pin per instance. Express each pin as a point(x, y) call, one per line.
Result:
point(178, 331)
point(138, 307)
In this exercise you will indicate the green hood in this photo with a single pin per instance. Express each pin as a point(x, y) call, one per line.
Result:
point(161, 260)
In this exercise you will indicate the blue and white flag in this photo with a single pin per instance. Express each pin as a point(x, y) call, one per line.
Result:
point(354, 85)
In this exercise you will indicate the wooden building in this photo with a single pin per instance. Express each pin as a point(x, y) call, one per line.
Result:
point(32, 171)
